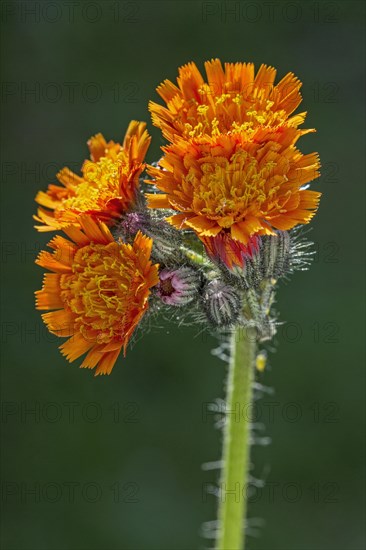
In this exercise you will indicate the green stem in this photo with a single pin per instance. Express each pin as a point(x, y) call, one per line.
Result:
point(236, 445)
point(195, 256)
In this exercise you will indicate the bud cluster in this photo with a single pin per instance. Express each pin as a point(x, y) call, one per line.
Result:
point(207, 289)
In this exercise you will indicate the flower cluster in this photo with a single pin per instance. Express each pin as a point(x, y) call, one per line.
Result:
point(232, 170)
point(212, 235)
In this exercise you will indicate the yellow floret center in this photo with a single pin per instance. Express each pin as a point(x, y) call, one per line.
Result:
point(101, 291)
point(101, 182)
point(227, 189)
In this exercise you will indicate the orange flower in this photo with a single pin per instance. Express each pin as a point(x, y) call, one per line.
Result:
point(98, 291)
point(236, 188)
point(234, 99)
point(107, 186)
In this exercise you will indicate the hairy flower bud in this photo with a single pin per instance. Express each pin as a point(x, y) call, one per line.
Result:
point(272, 260)
point(275, 255)
point(130, 223)
point(166, 239)
point(221, 303)
point(178, 287)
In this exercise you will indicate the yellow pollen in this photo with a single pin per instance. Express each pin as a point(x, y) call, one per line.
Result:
point(222, 98)
point(101, 182)
point(202, 109)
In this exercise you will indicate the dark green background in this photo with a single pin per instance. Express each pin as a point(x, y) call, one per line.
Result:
point(317, 371)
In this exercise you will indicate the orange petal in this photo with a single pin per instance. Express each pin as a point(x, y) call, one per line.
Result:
point(179, 220)
point(204, 226)
point(51, 262)
point(96, 231)
point(239, 232)
point(75, 347)
point(97, 147)
point(157, 200)
point(107, 362)
point(215, 76)
point(167, 90)
point(265, 78)
point(92, 358)
point(59, 320)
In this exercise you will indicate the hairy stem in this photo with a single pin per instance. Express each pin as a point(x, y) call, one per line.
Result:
point(236, 444)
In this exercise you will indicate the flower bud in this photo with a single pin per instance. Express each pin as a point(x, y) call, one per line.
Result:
point(166, 239)
point(275, 254)
point(221, 303)
point(177, 287)
point(270, 261)
point(132, 222)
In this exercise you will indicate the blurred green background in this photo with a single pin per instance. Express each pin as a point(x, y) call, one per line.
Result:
point(115, 463)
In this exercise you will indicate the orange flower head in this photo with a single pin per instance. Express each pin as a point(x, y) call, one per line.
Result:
point(98, 291)
point(234, 99)
point(107, 186)
point(227, 187)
